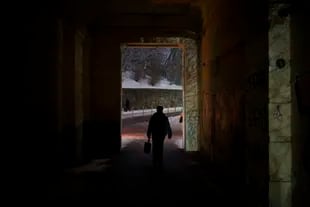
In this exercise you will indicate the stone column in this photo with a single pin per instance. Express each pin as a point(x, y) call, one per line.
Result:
point(280, 104)
point(190, 88)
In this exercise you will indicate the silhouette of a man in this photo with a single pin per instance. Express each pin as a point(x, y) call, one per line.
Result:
point(158, 128)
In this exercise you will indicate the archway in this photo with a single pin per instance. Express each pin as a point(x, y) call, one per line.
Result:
point(190, 84)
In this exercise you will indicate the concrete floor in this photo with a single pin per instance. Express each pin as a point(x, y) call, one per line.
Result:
point(129, 179)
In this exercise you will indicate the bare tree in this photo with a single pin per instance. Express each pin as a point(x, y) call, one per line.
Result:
point(153, 63)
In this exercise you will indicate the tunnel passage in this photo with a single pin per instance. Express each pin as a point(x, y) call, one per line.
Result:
point(238, 48)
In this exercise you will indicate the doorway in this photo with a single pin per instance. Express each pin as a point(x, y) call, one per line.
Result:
point(152, 74)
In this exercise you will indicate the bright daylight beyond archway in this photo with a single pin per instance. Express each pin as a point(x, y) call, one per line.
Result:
point(151, 76)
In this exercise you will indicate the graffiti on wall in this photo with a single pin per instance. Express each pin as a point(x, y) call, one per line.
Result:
point(257, 117)
point(257, 79)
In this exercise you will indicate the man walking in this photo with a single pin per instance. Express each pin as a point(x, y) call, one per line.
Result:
point(158, 128)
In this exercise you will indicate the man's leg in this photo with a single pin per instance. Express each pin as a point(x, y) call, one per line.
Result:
point(154, 151)
point(158, 152)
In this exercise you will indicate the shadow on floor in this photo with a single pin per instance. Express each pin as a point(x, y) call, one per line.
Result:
point(129, 179)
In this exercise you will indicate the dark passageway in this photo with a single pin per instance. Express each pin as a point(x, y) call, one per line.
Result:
point(129, 179)
point(245, 102)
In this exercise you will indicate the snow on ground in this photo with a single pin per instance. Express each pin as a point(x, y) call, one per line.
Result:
point(128, 82)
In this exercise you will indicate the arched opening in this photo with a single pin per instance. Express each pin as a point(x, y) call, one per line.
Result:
point(152, 75)
point(188, 128)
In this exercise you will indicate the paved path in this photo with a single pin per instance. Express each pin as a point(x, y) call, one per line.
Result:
point(129, 179)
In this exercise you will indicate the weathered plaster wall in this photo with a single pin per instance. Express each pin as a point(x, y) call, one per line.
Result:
point(300, 45)
point(40, 88)
point(256, 101)
point(53, 125)
point(71, 95)
point(191, 106)
point(102, 129)
point(55, 58)
point(234, 93)
point(280, 108)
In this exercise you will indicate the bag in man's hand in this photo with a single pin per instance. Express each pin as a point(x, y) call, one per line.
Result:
point(147, 147)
